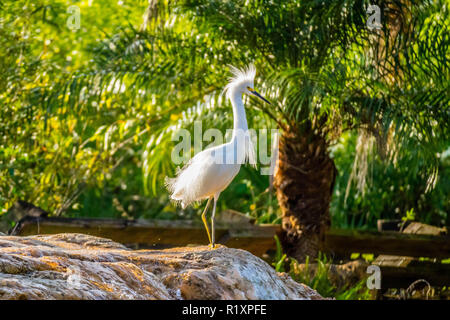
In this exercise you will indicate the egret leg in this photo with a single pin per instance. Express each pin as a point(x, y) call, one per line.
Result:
point(204, 219)
point(213, 242)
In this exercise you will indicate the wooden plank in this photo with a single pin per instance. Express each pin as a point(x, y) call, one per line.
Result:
point(400, 272)
point(391, 224)
point(344, 242)
point(422, 228)
point(257, 240)
point(123, 231)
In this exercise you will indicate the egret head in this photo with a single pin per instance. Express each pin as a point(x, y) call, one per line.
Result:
point(242, 82)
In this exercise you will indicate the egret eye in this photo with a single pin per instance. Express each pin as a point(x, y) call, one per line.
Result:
point(250, 89)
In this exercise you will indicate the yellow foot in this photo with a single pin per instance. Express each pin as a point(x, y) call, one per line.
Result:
point(213, 246)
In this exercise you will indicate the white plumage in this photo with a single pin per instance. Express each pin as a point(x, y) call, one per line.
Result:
point(209, 172)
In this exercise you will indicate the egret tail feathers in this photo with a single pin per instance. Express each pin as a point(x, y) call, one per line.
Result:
point(180, 192)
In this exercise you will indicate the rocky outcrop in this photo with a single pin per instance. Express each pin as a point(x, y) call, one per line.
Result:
point(77, 266)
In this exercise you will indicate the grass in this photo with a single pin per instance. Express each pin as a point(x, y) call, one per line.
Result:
point(319, 280)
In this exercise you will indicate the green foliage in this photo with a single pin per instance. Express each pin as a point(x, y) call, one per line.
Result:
point(88, 115)
point(319, 279)
point(391, 189)
point(410, 215)
point(49, 154)
point(280, 257)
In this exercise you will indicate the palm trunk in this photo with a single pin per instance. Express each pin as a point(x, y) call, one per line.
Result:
point(304, 180)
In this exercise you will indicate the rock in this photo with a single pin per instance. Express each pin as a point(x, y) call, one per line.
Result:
point(78, 266)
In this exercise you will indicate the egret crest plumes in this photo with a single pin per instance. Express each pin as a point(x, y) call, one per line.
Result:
point(241, 79)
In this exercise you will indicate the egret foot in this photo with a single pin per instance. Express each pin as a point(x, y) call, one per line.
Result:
point(213, 246)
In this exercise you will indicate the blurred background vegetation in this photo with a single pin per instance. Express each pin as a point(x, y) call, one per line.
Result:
point(83, 135)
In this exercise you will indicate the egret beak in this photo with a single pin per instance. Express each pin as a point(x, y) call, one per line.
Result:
point(259, 96)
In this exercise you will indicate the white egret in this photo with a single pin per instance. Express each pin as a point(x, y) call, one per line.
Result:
point(210, 172)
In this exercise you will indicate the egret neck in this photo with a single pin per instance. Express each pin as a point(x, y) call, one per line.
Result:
point(238, 140)
point(240, 120)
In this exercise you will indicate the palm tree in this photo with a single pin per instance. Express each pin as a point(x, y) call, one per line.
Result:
point(322, 67)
